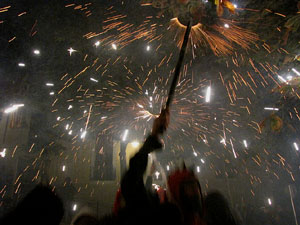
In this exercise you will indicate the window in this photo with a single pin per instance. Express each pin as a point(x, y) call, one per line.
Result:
point(17, 119)
point(102, 167)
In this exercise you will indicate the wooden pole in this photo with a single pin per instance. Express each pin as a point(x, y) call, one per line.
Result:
point(179, 64)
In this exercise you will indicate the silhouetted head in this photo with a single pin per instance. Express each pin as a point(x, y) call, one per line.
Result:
point(185, 190)
point(86, 220)
point(85, 216)
point(217, 210)
point(40, 206)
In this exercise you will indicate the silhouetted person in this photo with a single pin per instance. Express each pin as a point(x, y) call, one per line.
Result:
point(40, 206)
point(85, 217)
point(67, 191)
point(185, 191)
point(141, 206)
point(217, 210)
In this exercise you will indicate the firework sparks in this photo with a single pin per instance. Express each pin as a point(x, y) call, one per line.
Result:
point(71, 51)
point(99, 97)
point(208, 94)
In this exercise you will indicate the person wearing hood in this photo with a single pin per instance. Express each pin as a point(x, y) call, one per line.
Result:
point(184, 190)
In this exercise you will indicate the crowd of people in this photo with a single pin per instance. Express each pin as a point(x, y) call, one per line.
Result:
point(181, 203)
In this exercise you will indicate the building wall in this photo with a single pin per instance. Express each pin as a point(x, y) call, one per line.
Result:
point(17, 135)
point(14, 131)
point(99, 195)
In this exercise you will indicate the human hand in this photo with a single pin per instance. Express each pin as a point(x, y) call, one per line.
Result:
point(161, 123)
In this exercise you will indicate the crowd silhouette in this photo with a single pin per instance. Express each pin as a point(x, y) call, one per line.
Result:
point(182, 202)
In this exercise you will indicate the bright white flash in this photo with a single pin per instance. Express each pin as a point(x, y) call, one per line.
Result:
point(148, 48)
point(198, 169)
point(271, 109)
point(71, 50)
point(114, 46)
point(83, 135)
point(36, 52)
point(208, 93)
point(21, 64)
point(281, 78)
point(49, 84)
point(139, 105)
point(3, 153)
point(233, 151)
point(269, 201)
point(157, 174)
point(296, 146)
point(93, 79)
point(97, 43)
point(63, 168)
point(245, 144)
point(125, 135)
point(13, 108)
point(296, 71)
point(226, 25)
point(74, 207)
point(135, 144)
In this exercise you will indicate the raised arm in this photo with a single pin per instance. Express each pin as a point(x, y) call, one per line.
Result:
point(132, 184)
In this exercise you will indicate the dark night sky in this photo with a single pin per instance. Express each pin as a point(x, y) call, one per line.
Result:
point(53, 28)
